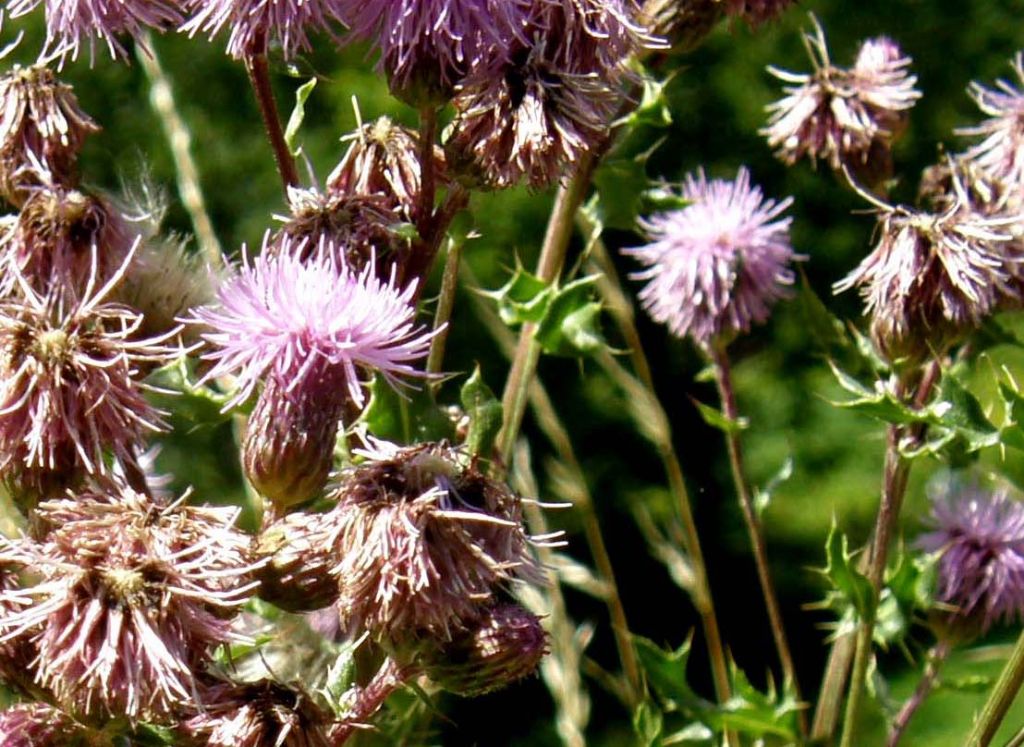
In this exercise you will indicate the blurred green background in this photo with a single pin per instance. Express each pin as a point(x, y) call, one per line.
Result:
point(717, 99)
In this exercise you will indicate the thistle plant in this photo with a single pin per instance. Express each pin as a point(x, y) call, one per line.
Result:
point(270, 496)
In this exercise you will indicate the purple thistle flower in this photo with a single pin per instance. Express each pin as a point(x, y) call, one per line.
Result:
point(133, 594)
point(40, 122)
point(716, 266)
point(382, 161)
point(254, 23)
point(842, 116)
point(422, 542)
point(931, 276)
point(505, 645)
point(71, 386)
point(68, 22)
point(1001, 152)
point(41, 725)
point(979, 535)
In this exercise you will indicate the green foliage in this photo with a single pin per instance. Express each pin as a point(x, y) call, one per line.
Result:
point(406, 417)
point(291, 130)
point(484, 411)
point(850, 589)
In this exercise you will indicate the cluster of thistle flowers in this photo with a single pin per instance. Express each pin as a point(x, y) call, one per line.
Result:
point(114, 603)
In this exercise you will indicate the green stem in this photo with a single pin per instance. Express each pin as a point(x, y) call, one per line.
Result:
point(259, 77)
point(935, 659)
point(726, 392)
point(445, 304)
point(428, 179)
point(1000, 699)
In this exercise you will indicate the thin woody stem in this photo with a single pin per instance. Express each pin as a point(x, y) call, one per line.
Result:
point(445, 304)
point(723, 379)
point(935, 659)
point(259, 77)
point(1000, 700)
point(389, 678)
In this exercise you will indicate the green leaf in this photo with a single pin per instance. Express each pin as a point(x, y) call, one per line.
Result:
point(693, 733)
point(484, 411)
point(298, 114)
point(653, 109)
point(620, 183)
point(1012, 432)
point(877, 403)
point(570, 325)
point(666, 672)
point(718, 419)
point(972, 683)
point(152, 735)
point(406, 417)
point(763, 496)
point(404, 231)
point(850, 586)
point(524, 298)
point(199, 405)
point(757, 714)
point(661, 198)
point(647, 724)
point(341, 677)
point(959, 411)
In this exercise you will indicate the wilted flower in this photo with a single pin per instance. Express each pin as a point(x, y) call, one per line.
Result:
point(382, 160)
point(68, 22)
point(716, 266)
point(40, 121)
point(503, 646)
point(756, 12)
point(842, 116)
point(428, 46)
point(314, 330)
point(41, 725)
point(933, 275)
point(71, 386)
point(1001, 152)
point(360, 225)
point(260, 714)
point(254, 23)
point(940, 184)
point(423, 542)
point(64, 239)
point(133, 595)
point(979, 535)
point(297, 575)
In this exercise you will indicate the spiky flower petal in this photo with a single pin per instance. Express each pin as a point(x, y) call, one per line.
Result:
point(979, 535)
point(133, 596)
point(1001, 150)
point(423, 542)
point(718, 265)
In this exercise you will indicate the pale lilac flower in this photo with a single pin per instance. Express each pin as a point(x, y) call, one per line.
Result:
point(505, 645)
point(40, 121)
point(1001, 150)
point(69, 22)
point(842, 116)
point(255, 23)
point(979, 535)
point(260, 714)
point(71, 386)
point(931, 276)
point(718, 265)
point(133, 596)
point(314, 331)
point(422, 542)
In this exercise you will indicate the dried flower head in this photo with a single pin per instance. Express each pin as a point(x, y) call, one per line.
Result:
point(505, 645)
point(258, 715)
point(71, 386)
point(423, 542)
point(757, 12)
point(255, 24)
point(979, 535)
point(40, 121)
point(842, 116)
point(1001, 150)
point(932, 276)
point(718, 265)
point(133, 596)
point(314, 330)
point(361, 225)
point(297, 575)
point(69, 22)
point(939, 185)
point(41, 725)
point(64, 238)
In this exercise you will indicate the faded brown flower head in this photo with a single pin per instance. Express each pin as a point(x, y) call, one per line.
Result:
point(41, 128)
point(132, 597)
point(423, 542)
point(297, 575)
point(41, 725)
point(505, 645)
point(933, 276)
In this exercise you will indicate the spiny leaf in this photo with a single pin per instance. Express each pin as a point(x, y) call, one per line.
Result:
point(408, 417)
point(850, 586)
point(524, 298)
point(718, 419)
point(298, 114)
point(484, 412)
point(570, 325)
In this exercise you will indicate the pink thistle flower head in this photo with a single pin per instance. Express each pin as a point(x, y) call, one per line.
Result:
point(933, 276)
point(839, 115)
point(717, 266)
point(71, 388)
point(70, 22)
point(505, 645)
point(39, 119)
point(255, 24)
point(979, 537)
point(423, 541)
point(313, 330)
point(133, 596)
point(41, 725)
point(1000, 153)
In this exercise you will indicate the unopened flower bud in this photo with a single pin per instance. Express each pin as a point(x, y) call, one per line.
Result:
point(505, 645)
